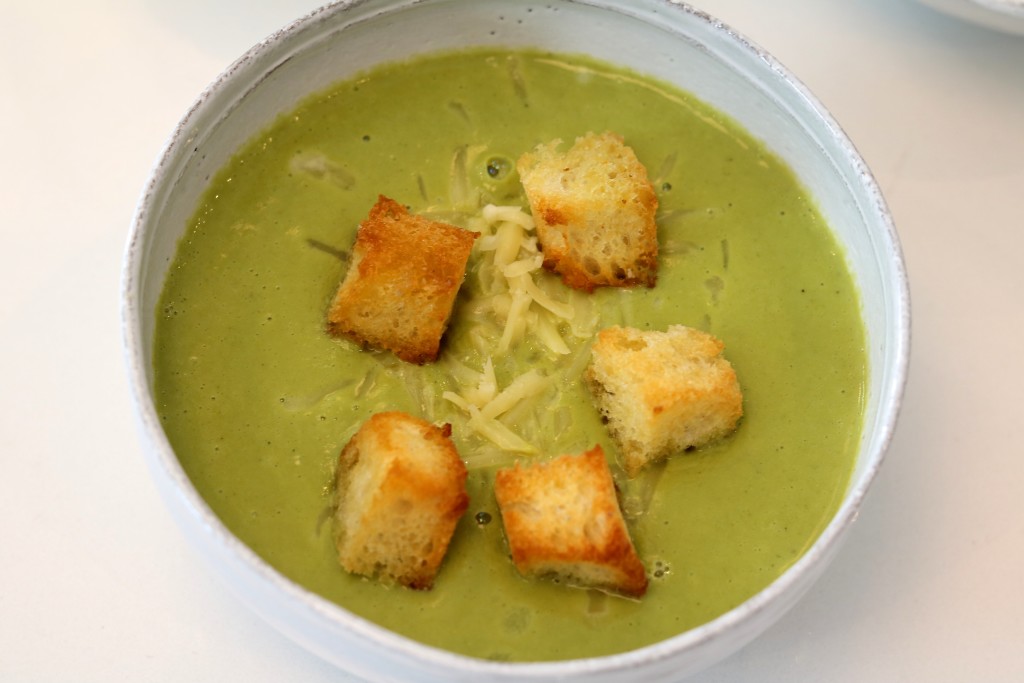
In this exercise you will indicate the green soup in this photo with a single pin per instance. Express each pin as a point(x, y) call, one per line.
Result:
point(258, 401)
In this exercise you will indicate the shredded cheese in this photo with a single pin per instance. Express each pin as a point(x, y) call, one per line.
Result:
point(524, 386)
point(511, 307)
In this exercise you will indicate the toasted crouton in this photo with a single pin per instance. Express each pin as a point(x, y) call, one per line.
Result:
point(594, 209)
point(662, 392)
point(401, 489)
point(401, 283)
point(562, 518)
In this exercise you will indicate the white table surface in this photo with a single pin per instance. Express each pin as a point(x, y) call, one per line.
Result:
point(98, 584)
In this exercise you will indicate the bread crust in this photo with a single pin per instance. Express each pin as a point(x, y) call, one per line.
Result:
point(594, 208)
point(401, 284)
point(400, 492)
point(562, 518)
point(662, 392)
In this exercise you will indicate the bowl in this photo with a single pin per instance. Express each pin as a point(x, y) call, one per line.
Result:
point(1000, 15)
point(672, 42)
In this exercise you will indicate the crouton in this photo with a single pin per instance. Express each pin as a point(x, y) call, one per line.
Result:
point(562, 518)
point(662, 392)
point(594, 209)
point(400, 491)
point(401, 282)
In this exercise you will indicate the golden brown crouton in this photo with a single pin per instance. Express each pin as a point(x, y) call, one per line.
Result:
point(594, 210)
point(401, 489)
point(401, 283)
point(662, 392)
point(562, 518)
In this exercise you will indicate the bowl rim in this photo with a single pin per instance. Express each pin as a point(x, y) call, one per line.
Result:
point(164, 464)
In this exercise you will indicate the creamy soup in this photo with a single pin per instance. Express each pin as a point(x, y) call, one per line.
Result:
point(258, 400)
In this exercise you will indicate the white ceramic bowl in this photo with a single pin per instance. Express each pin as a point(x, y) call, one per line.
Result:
point(668, 41)
point(1001, 15)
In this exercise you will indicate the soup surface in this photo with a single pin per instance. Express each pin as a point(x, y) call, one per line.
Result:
point(258, 400)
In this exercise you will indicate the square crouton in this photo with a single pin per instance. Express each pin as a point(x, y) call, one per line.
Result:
point(401, 283)
point(562, 518)
point(594, 210)
point(401, 489)
point(662, 392)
